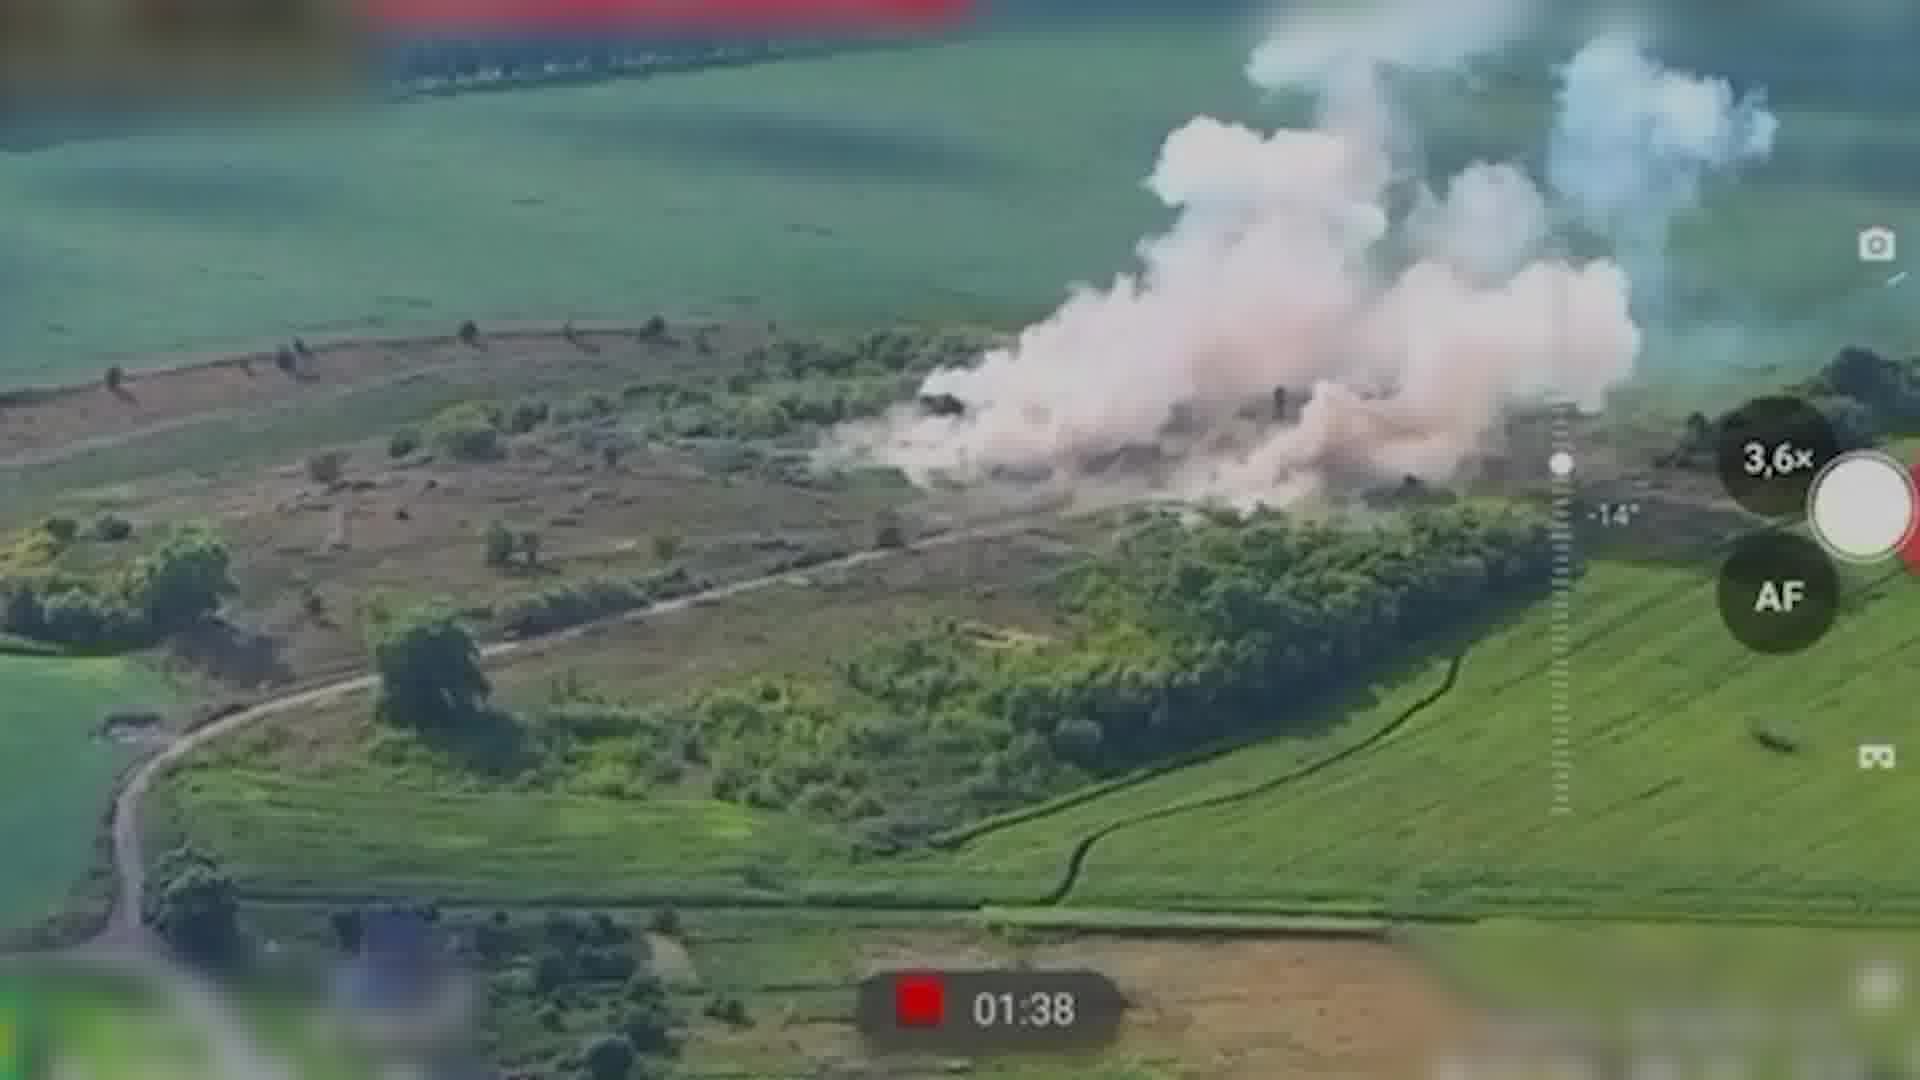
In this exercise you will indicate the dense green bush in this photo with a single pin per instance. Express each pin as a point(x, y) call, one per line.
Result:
point(428, 666)
point(608, 1057)
point(193, 906)
point(467, 432)
point(181, 581)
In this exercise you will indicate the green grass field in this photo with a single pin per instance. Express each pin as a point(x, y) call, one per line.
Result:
point(969, 181)
point(1677, 810)
point(56, 773)
point(859, 189)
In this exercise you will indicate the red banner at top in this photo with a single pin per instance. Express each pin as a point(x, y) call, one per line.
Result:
point(692, 14)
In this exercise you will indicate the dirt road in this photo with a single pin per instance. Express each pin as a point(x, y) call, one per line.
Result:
point(125, 927)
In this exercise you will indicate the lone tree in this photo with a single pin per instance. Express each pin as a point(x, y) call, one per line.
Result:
point(429, 668)
point(62, 529)
point(194, 908)
point(576, 339)
point(347, 926)
point(116, 377)
point(467, 432)
point(111, 528)
point(469, 333)
point(499, 543)
point(609, 1057)
point(183, 580)
point(326, 468)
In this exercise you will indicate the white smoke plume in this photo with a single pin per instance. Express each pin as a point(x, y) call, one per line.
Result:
point(1293, 334)
point(1633, 143)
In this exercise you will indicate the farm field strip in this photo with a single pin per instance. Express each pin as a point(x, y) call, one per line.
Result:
point(1660, 825)
point(882, 186)
point(1448, 783)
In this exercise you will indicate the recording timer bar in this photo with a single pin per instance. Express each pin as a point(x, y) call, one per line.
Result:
point(989, 1012)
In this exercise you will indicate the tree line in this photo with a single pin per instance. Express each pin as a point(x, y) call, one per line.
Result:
point(1184, 634)
point(178, 582)
point(1865, 396)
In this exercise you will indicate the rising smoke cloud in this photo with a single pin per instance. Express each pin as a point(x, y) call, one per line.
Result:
point(1294, 334)
point(1633, 143)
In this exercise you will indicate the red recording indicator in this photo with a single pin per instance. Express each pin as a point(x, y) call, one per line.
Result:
point(919, 1001)
point(1910, 548)
point(665, 13)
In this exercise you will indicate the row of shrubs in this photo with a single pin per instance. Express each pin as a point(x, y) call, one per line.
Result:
point(432, 68)
point(796, 385)
point(38, 550)
point(575, 603)
point(478, 430)
point(782, 388)
point(179, 582)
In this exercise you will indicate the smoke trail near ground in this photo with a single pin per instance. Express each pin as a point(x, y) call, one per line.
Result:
point(1304, 328)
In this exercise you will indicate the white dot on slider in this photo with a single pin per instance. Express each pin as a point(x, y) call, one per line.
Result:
point(1560, 463)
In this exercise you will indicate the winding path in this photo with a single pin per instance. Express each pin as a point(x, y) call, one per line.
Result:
point(125, 943)
point(125, 928)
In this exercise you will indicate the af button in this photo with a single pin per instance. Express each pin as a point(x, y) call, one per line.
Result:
point(1779, 593)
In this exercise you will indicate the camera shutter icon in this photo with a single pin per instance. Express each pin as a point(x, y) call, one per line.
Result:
point(1878, 244)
